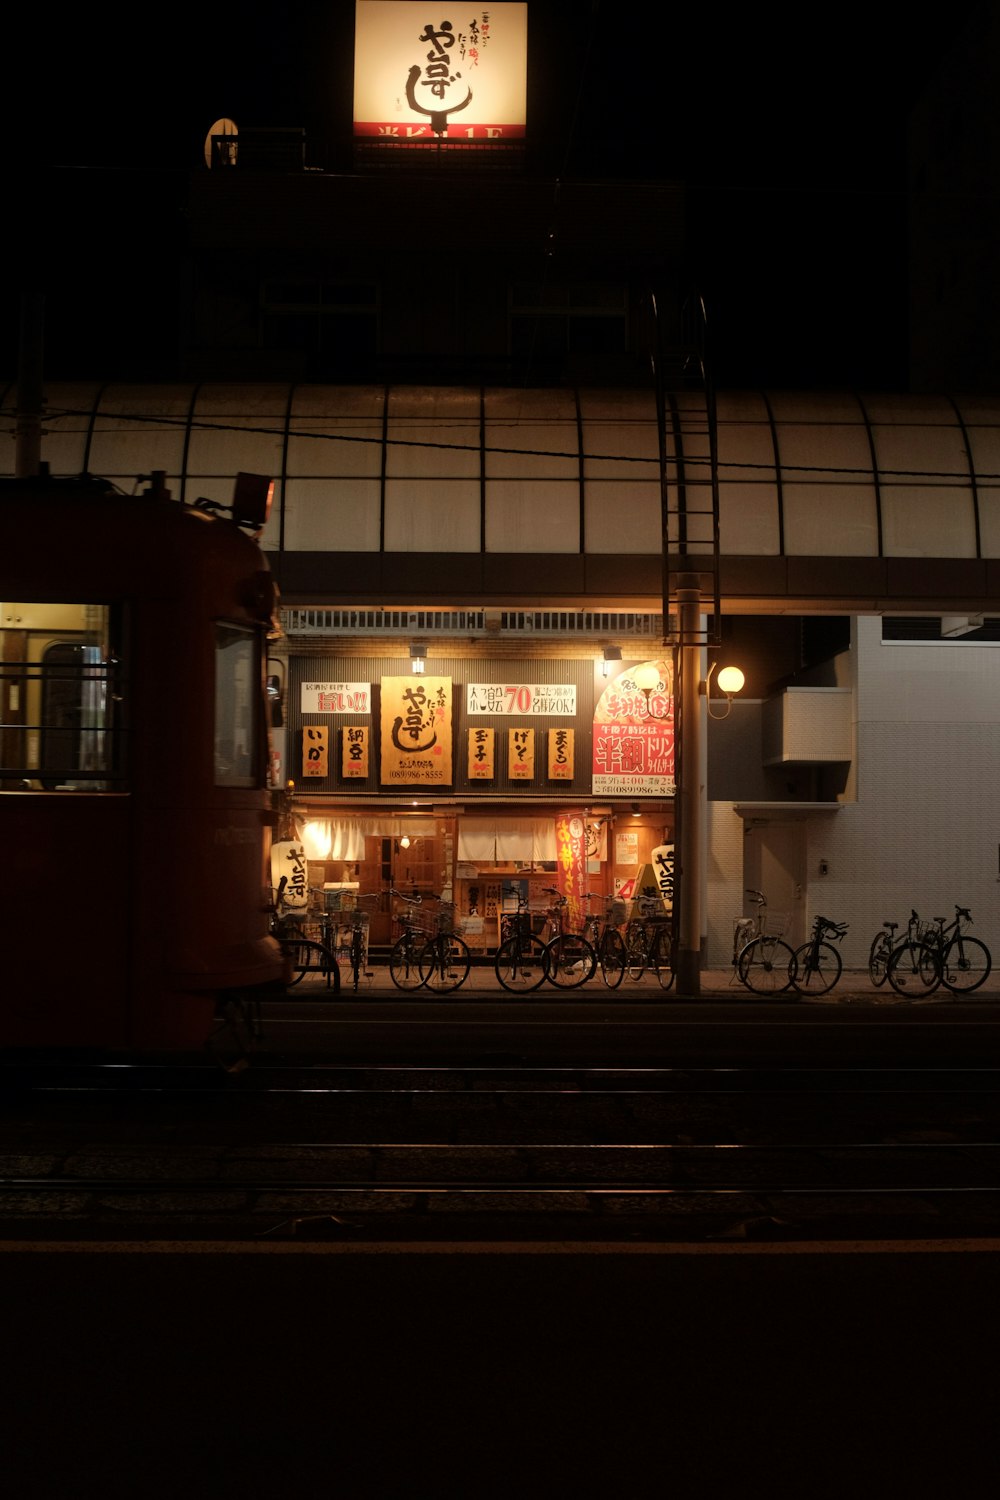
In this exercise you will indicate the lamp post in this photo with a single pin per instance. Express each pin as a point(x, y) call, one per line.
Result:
point(690, 790)
point(691, 787)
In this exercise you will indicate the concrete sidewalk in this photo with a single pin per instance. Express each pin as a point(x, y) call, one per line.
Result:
point(717, 985)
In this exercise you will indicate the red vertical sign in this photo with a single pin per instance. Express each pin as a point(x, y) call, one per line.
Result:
point(571, 864)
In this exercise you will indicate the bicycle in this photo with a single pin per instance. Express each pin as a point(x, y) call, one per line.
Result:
point(914, 967)
point(519, 963)
point(606, 940)
point(881, 952)
point(648, 941)
point(444, 960)
point(817, 965)
point(964, 961)
point(304, 955)
point(761, 957)
point(357, 927)
point(404, 959)
point(568, 958)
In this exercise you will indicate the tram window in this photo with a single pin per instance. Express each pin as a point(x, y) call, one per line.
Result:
point(60, 719)
point(237, 707)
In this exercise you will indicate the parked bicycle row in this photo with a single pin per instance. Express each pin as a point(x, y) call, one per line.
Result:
point(535, 947)
point(538, 948)
point(929, 955)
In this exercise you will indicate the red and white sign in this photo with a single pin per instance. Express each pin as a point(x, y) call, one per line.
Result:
point(633, 745)
point(425, 74)
point(571, 864)
point(336, 698)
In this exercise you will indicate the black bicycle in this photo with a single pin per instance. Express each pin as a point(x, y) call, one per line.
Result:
point(569, 959)
point(648, 940)
point(358, 929)
point(519, 963)
point(964, 962)
point(404, 959)
point(915, 963)
point(881, 952)
point(305, 955)
point(817, 965)
point(604, 937)
point(444, 959)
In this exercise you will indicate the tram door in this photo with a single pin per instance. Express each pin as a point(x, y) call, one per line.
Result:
point(774, 861)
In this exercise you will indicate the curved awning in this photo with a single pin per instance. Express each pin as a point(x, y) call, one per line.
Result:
point(454, 495)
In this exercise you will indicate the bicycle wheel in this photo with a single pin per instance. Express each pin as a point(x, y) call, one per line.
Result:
point(878, 958)
point(569, 961)
point(308, 957)
point(444, 963)
point(765, 965)
point(357, 958)
point(612, 958)
point(404, 964)
point(636, 951)
point(661, 957)
point(520, 963)
point(966, 964)
point(914, 969)
point(815, 972)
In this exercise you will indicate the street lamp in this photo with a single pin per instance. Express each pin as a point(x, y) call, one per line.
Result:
point(730, 680)
point(647, 680)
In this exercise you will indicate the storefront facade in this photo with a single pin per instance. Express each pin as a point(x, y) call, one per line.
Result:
point(476, 780)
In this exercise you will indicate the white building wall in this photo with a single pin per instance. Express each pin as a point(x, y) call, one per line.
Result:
point(724, 866)
point(924, 830)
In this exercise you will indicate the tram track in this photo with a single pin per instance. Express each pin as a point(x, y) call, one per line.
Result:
point(383, 1151)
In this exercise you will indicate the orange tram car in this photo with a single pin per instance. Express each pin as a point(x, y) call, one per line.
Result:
point(135, 818)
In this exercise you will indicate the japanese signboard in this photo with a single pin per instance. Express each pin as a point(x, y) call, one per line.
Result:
point(315, 746)
point(633, 746)
point(336, 697)
point(416, 731)
point(560, 754)
point(481, 756)
point(422, 74)
point(354, 750)
point(524, 698)
point(663, 871)
point(288, 862)
point(521, 754)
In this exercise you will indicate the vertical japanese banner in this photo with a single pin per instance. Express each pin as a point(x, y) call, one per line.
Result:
point(571, 864)
point(561, 754)
point(481, 754)
point(597, 840)
point(315, 743)
point(663, 868)
point(354, 750)
point(416, 731)
point(521, 754)
point(288, 862)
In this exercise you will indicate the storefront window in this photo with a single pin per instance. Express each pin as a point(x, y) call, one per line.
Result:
point(237, 707)
point(60, 698)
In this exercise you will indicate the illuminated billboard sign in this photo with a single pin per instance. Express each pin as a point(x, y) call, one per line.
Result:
point(439, 74)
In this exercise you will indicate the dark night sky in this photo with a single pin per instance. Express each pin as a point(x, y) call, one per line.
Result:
point(787, 127)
